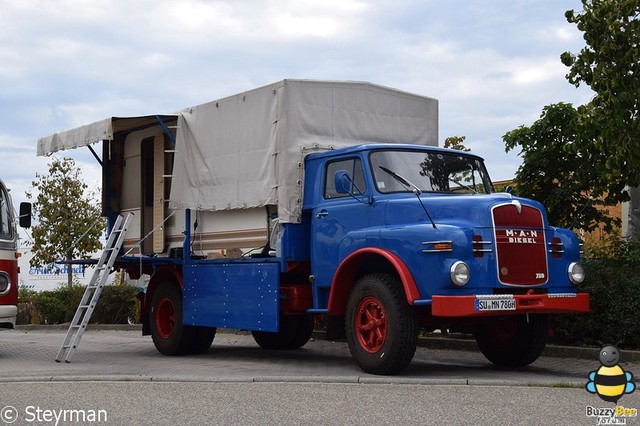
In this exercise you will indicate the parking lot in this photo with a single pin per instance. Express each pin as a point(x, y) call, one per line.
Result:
point(27, 353)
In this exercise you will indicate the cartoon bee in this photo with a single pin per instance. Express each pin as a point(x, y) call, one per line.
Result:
point(610, 381)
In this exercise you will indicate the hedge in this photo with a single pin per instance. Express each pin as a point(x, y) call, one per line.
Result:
point(118, 305)
point(613, 283)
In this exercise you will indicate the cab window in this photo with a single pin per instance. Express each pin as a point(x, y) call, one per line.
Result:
point(354, 167)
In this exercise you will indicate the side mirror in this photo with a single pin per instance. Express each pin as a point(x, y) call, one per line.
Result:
point(25, 215)
point(508, 189)
point(342, 182)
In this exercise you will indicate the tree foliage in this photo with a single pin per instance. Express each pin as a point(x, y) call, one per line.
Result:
point(456, 142)
point(68, 218)
point(577, 158)
point(610, 65)
point(554, 173)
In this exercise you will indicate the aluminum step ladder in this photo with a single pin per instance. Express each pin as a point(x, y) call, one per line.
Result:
point(94, 289)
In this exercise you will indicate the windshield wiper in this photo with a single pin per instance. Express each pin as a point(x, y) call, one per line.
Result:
point(462, 185)
point(413, 188)
point(404, 182)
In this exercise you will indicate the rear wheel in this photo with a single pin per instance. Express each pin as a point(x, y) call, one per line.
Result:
point(381, 327)
point(295, 332)
point(513, 341)
point(169, 336)
point(202, 338)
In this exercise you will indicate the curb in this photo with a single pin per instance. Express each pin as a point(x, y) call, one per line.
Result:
point(554, 351)
point(356, 380)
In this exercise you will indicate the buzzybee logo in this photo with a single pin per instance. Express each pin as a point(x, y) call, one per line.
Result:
point(610, 382)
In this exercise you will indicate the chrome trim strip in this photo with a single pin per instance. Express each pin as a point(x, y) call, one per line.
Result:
point(561, 295)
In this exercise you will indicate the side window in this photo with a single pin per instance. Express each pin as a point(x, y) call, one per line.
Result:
point(354, 167)
point(5, 216)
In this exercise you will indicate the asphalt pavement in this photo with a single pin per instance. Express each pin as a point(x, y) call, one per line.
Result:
point(122, 354)
point(118, 377)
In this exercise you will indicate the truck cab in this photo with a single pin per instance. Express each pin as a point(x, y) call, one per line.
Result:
point(420, 230)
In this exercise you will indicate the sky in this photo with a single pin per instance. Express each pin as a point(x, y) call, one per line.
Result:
point(492, 64)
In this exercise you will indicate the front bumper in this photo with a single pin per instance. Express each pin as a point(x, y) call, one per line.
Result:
point(8, 314)
point(469, 306)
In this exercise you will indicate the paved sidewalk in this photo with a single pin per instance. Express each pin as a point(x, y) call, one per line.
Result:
point(27, 354)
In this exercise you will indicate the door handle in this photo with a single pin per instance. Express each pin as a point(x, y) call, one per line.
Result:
point(321, 214)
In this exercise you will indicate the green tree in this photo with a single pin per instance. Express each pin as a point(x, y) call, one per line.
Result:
point(68, 218)
point(609, 127)
point(588, 155)
point(554, 173)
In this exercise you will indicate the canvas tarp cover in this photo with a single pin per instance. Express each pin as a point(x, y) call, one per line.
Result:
point(247, 150)
point(95, 132)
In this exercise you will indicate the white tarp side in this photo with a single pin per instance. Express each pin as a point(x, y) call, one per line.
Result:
point(96, 132)
point(244, 151)
point(225, 154)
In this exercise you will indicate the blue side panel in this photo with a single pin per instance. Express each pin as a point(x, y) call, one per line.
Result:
point(232, 295)
point(295, 240)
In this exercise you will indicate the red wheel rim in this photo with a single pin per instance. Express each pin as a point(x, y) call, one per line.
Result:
point(505, 330)
point(371, 324)
point(165, 318)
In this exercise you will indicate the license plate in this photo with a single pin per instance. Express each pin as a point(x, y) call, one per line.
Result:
point(492, 303)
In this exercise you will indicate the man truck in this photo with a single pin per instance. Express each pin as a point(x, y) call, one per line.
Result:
point(304, 199)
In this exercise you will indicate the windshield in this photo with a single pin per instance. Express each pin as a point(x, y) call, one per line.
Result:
point(429, 172)
point(6, 225)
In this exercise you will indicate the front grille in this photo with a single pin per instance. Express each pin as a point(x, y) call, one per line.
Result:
point(521, 246)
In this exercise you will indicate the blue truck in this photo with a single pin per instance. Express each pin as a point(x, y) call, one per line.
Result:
point(300, 200)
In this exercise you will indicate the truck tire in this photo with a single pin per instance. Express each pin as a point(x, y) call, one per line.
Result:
point(381, 327)
point(169, 336)
point(202, 338)
point(295, 332)
point(513, 341)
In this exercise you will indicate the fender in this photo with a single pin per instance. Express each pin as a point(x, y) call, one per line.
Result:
point(162, 274)
point(344, 278)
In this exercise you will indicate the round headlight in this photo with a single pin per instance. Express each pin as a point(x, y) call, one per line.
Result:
point(459, 273)
point(576, 273)
point(5, 283)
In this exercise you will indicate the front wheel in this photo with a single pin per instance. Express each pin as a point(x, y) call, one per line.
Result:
point(381, 327)
point(513, 341)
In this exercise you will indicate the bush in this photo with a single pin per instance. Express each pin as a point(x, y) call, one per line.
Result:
point(117, 304)
point(25, 305)
point(50, 309)
point(613, 282)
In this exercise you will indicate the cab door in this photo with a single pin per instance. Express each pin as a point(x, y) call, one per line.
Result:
point(339, 223)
